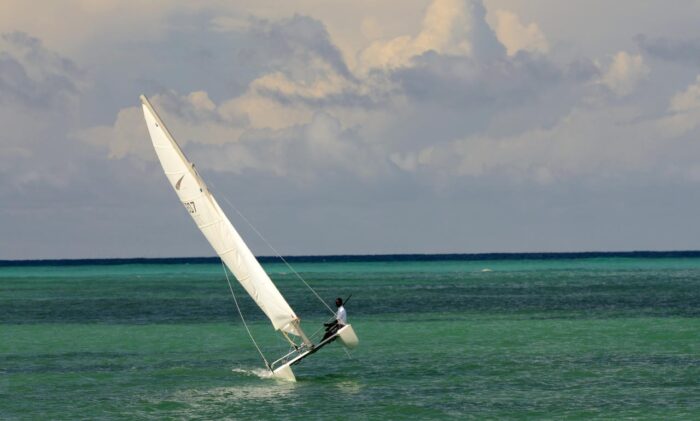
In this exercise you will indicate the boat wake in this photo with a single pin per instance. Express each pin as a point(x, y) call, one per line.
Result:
point(255, 372)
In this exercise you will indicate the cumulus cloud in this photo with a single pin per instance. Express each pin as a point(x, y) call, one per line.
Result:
point(125, 137)
point(219, 139)
point(309, 113)
point(624, 73)
point(518, 37)
point(587, 142)
point(684, 109)
point(305, 152)
point(451, 27)
point(305, 72)
point(291, 44)
point(282, 124)
point(328, 88)
point(194, 117)
point(688, 100)
point(449, 81)
point(397, 105)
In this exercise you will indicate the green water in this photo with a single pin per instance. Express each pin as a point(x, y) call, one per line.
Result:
point(605, 338)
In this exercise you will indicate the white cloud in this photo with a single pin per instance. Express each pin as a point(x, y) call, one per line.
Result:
point(314, 113)
point(327, 84)
point(195, 117)
point(264, 112)
point(518, 37)
point(318, 97)
point(689, 100)
point(453, 27)
point(624, 73)
point(305, 153)
point(684, 108)
point(586, 143)
point(209, 135)
point(127, 137)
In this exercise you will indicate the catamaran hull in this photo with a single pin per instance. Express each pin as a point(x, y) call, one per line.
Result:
point(284, 373)
point(347, 337)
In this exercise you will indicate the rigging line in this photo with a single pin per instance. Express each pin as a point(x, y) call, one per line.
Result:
point(230, 287)
point(330, 319)
point(275, 251)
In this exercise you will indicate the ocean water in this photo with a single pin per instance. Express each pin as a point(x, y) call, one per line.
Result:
point(461, 337)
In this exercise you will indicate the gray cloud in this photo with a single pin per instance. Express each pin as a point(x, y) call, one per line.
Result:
point(484, 41)
point(582, 70)
point(34, 76)
point(346, 98)
point(306, 154)
point(436, 124)
point(39, 97)
point(466, 82)
point(291, 44)
point(685, 51)
point(444, 97)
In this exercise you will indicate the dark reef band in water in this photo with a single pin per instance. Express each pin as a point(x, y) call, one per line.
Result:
point(367, 258)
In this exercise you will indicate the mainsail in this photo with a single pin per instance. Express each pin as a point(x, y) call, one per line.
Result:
point(219, 231)
point(216, 227)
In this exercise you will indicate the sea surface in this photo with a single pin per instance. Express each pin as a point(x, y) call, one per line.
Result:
point(554, 336)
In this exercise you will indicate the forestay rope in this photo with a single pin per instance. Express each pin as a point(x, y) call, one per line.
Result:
point(277, 253)
point(230, 287)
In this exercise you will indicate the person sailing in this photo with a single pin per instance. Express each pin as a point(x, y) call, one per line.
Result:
point(341, 319)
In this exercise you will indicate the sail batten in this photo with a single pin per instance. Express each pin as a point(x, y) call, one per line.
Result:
point(215, 226)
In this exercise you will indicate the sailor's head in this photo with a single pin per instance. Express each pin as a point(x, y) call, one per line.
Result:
point(338, 302)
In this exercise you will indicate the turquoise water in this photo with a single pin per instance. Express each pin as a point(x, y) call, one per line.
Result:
point(605, 337)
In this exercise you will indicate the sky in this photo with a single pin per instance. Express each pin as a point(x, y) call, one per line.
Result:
point(364, 127)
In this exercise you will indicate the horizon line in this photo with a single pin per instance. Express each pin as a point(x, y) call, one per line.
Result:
point(366, 257)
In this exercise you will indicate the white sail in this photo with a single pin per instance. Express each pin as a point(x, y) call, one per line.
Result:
point(216, 227)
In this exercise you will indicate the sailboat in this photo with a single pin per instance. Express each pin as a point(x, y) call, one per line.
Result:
point(234, 253)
